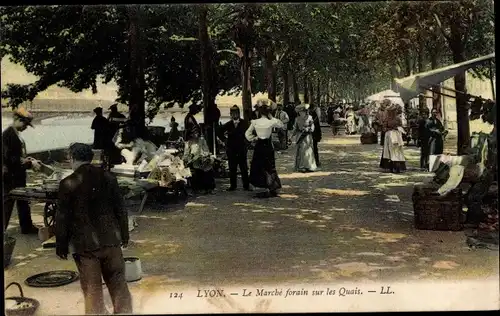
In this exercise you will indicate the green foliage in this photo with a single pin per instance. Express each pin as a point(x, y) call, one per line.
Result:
point(357, 47)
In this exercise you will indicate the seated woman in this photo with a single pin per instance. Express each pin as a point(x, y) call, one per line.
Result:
point(131, 147)
point(197, 155)
point(303, 130)
point(263, 172)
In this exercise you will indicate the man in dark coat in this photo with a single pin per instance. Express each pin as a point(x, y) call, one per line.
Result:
point(100, 125)
point(236, 148)
point(423, 139)
point(114, 114)
point(433, 138)
point(14, 169)
point(92, 222)
point(317, 135)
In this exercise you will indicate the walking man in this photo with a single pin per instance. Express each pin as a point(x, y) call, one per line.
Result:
point(236, 148)
point(92, 223)
point(15, 164)
point(282, 132)
point(317, 135)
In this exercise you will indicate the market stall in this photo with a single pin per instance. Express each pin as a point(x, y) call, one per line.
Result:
point(445, 203)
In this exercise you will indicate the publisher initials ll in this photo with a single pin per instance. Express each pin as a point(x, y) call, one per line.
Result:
point(386, 290)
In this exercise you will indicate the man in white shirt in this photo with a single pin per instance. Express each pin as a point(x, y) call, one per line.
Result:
point(282, 132)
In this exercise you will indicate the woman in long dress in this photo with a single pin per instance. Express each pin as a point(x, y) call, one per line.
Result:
point(303, 131)
point(393, 158)
point(263, 172)
point(196, 154)
point(351, 123)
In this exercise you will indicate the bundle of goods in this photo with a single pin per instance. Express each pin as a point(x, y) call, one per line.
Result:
point(167, 169)
point(368, 138)
point(433, 211)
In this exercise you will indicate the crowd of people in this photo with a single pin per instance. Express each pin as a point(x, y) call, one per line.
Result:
point(98, 225)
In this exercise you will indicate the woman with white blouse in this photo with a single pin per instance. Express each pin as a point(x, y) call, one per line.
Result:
point(263, 172)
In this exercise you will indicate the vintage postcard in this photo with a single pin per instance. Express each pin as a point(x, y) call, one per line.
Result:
point(249, 157)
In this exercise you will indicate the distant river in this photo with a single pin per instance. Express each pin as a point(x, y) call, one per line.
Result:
point(61, 131)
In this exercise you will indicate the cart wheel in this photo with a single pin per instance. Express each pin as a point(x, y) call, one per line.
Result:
point(49, 214)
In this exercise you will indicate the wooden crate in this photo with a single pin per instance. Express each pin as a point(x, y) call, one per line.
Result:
point(435, 212)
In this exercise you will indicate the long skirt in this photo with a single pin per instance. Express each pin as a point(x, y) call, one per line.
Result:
point(304, 155)
point(393, 158)
point(263, 172)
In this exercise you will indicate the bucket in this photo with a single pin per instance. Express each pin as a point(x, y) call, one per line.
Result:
point(133, 270)
point(8, 249)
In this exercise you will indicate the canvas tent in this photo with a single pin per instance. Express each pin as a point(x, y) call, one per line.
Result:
point(410, 87)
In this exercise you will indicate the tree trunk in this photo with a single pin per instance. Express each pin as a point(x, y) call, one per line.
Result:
point(246, 63)
point(286, 84)
point(205, 61)
point(270, 74)
point(408, 65)
point(136, 73)
point(463, 139)
point(295, 87)
point(306, 89)
point(436, 97)
point(318, 92)
point(209, 89)
point(311, 92)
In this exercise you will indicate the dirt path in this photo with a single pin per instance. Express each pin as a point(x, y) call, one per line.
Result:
point(348, 222)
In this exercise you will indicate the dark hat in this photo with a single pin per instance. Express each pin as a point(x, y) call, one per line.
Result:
point(98, 110)
point(113, 106)
point(23, 115)
point(234, 108)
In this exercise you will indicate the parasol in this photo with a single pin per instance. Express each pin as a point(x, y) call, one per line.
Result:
point(410, 87)
point(395, 97)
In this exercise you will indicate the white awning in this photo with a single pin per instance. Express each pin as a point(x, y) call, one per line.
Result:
point(410, 87)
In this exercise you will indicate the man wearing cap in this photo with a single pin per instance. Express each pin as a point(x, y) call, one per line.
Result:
point(236, 148)
point(92, 223)
point(114, 114)
point(14, 169)
point(100, 125)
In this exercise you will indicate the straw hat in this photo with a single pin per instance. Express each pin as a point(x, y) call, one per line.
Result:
point(302, 107)
point(263, 103)
point(24, 115)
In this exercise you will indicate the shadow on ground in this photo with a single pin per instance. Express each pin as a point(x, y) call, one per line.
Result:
point(349, 221)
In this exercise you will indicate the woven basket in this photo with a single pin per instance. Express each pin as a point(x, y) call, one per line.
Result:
point(28, 311)
point(435, 212)
point(368, 138)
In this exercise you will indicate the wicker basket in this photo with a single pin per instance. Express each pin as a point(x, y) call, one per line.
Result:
point(368, 138)
point(435, 212)
point(27, 311)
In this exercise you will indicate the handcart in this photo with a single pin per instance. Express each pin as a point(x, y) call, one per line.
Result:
point(38, 194)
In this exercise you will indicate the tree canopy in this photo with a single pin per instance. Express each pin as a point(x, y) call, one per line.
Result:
point(323, 50)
